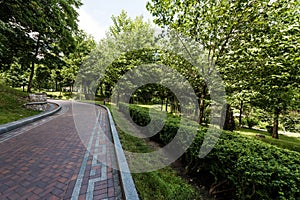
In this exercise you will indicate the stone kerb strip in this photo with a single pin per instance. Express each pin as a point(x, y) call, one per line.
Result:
point(38, 97)
point(17, 124)
point(127, 183)
point(38, 101)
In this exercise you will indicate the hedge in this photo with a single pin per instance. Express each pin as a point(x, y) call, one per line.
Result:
point(245, 168)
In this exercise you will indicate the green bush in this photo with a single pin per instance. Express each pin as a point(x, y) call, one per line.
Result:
point(251, 122)
point(291, 121)
point(252, 169)
point(244, 122)
point(269, 129)
point(262, 125)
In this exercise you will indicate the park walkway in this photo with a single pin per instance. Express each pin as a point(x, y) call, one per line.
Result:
point(48, 160)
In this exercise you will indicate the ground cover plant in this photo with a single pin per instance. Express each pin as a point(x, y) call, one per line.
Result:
point(11, 105)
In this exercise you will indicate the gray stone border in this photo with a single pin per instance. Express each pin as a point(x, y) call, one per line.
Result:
point(127, 184)
point(17, 124)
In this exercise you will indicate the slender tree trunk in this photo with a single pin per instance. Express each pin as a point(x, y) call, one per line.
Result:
point(30, 77)
point(202, 104)
point(71, 87)
point(32, 64)
point(173, 105)
point(166, 104)
point(60, 88)
point(240, 116)
point(176, 106)
point(227, 116)
point(101, 89)
point(196, 114)
point(56, 85)
point(118, 99)
point(275, 126)
point(162, 104)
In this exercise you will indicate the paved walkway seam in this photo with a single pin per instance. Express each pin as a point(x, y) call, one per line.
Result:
point(17, 124)
point(127, 184)
point(77, 187)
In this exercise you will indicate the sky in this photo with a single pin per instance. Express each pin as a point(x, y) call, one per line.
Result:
point(95, 15)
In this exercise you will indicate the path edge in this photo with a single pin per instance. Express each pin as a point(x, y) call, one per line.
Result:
point(128, 186)
point(22, 122)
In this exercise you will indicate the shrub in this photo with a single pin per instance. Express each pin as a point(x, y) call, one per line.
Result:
point(244, 121)
point(291, 121)
point(251, 122)
point(269, 129)
point(262, 125)
point(249, 168)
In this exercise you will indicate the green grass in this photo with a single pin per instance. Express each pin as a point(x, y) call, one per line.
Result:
point(61, 95)
point(159, 184)
point(286, 142)
point(11, 105)
point(156, 107)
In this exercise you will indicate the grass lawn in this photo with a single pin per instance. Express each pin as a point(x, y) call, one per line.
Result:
point(156, 107)
point(291, 143)
point(61, 95)
point(11, 105)
point(159, 184)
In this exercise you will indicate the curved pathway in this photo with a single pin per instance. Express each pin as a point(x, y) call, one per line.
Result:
point(48, 160)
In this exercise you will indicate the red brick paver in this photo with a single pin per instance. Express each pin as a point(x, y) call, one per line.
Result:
point(50, 161)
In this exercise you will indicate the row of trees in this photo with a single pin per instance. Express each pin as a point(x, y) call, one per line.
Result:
point(41, 38)
point(254, 44)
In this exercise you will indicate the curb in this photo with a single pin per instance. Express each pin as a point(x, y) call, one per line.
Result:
point(17, 124)
point(128, 185)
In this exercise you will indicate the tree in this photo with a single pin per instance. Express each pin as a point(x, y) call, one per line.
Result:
point(15, 75)
point(242, 39)
point(270, 61)
point(44, 28)
point(210, 23)
point(84, 44)
point(126, 35)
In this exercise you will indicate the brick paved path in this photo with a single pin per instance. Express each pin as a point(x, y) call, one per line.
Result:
point(48, 160)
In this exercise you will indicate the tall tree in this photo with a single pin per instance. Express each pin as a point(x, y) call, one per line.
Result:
point(125, 35)
point(243, 36)
point(43, 27)
point(84, 44)
point(269, 62)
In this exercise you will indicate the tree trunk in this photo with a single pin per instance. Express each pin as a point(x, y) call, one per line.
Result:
point(30, 77)
point(32, 64)
point(240, 116)
point(173, 105)
point(202, 104)
point(166, 104)
point(101, 89)
point(227, 116)
point(118, 99)
point(275, 126)
point(56, 85)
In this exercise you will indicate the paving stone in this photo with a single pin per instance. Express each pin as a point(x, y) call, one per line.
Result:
point(43, 160)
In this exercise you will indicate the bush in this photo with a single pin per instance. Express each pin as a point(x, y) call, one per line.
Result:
point(251, 122)
point(244, 122)
point(269, 129)
point(262, 125)
point(291, 121)
point(250, 168)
